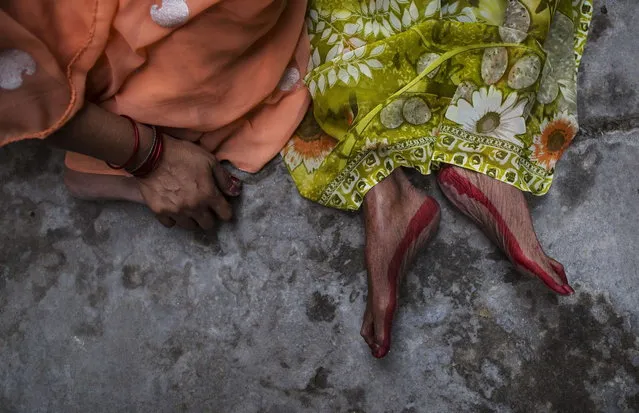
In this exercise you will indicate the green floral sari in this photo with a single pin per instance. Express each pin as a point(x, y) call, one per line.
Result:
point(488, 85)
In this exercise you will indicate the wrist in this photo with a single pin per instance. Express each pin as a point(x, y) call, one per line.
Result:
point(146, 143)
point(151, 158)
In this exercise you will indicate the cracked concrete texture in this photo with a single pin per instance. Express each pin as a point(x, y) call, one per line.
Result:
point(609, 79)
point(103, 310)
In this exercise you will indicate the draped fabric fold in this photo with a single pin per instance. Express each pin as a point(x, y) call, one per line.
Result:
point(224, 73)
point(485, 85)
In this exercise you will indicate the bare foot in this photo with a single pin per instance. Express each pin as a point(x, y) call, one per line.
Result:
point(501, 212)
point(399, 221)
point(95, 187)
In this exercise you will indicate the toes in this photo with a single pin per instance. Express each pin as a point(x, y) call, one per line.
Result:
point(559, 269)
point(380, 353)
point(561, 272)
point(564, 289)
point(381, 350)
point(455, 182)
point(381, 347)
point(367, 332)
point(549, 271)
point(383, 325)
point(556, 265)
point(376, 332)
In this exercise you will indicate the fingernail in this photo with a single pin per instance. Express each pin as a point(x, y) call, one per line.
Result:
point(236, 186)
point(569, 289)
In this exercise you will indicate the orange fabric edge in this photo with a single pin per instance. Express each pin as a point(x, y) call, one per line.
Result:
point(86, 164)
point(74, 93)
point(246, 167)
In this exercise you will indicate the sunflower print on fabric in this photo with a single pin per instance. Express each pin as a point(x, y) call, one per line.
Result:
point(488, 85)
point(555, 137)
point(309, 145)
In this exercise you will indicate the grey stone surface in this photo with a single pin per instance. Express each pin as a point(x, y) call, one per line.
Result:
point(609, 75)
point(103, 310)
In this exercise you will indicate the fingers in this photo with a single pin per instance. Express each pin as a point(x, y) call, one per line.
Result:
point(201, 219)
point(186, 222)
point(196, 215)
point(204, 218)
point(193, 195)
point(227, 183)
point(219, 204)
point(166, 221)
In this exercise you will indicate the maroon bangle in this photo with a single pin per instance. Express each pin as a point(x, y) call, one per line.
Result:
point(147, 158)
point(152, 160)
point(136, 146)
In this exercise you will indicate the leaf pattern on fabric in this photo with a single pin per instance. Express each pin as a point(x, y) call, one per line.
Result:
point(347, 68)
point(494, 64)
point(516, 23)
point(349, 29)
point(525, 72)
point(488, 85)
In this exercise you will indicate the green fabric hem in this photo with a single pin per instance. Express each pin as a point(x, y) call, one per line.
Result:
point(350, 186)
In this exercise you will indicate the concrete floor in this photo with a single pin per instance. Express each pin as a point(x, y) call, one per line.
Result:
point(103, 310)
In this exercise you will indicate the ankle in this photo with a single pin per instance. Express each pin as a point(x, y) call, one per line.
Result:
point(385, 194)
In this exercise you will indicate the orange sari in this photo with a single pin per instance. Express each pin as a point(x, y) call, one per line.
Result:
point(224, 73)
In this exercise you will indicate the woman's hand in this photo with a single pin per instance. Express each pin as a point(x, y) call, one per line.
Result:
point(188, 187)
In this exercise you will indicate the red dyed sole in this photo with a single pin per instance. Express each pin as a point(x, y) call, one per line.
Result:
point(464, 187)
point(421, 221)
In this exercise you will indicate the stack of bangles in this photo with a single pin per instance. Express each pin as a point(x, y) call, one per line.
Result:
point(152, 159)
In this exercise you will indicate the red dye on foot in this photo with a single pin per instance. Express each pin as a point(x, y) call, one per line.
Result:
point(418, 224)
point(464, 187)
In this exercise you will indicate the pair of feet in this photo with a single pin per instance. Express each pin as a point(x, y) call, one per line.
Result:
point(400, 220)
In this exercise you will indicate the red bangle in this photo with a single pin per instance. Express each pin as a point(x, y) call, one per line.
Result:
point(136, 146)
point(153, 158)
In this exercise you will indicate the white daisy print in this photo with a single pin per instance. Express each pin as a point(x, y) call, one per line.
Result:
point(490, 115)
